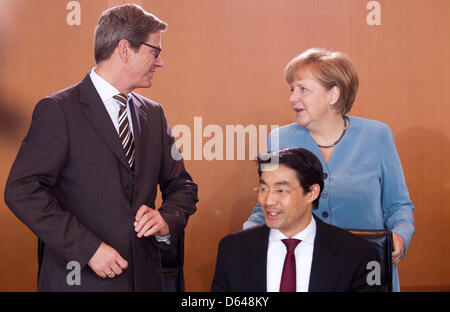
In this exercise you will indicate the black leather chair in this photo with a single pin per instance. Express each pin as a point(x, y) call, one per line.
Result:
point(382, 241)
point(40, 254)
point(172, 261)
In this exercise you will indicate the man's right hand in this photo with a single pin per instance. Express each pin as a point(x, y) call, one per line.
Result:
point(107, 262)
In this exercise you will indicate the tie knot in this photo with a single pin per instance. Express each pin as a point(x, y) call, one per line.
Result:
point(122, 98)
point(291, 243)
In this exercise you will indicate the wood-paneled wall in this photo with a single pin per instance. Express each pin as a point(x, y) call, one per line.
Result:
point(223, 64)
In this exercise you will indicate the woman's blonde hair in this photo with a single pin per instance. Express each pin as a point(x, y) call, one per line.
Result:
point(330, 69)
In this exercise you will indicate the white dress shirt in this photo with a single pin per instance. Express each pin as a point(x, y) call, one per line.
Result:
point(106, 92)
point(276, 254)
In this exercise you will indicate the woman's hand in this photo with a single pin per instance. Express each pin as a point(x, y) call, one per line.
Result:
point(399, 248)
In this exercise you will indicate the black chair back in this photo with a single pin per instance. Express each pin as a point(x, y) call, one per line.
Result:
point(172, 261)
point(40, 254)
point(382, 241)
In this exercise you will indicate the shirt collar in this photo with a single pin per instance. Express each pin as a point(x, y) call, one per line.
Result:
point(103, 87)
point(307, 235)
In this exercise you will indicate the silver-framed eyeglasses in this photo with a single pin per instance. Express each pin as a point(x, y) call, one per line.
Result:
point(280, 192)
point(157, 50)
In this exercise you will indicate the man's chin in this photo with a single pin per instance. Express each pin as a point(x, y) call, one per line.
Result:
point(144, 85)
point(272, 224)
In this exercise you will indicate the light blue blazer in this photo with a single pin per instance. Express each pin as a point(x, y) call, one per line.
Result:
point(364, 187)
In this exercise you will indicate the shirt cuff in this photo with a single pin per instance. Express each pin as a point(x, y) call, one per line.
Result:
point(406, 232)
point(163, 239)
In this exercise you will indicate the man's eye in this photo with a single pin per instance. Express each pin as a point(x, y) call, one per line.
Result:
point(281, 192)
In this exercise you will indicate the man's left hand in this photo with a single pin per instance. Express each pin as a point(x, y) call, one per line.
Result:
point(399, 248)
point(150, 222)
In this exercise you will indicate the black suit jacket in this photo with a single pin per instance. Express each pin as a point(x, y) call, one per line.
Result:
point(72, 186)
point(339, 261)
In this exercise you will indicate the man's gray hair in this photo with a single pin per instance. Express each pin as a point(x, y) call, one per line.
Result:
point(128, 21)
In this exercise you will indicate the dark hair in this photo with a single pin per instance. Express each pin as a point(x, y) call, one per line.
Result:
point(306, 165)
point(128, 21)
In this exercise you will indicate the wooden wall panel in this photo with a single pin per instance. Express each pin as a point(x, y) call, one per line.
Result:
point(223, 63)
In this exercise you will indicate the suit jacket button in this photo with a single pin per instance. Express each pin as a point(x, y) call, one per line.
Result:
point(325, 214)
point(325, 175)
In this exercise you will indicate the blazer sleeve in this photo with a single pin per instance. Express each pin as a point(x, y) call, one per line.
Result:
point(396, 204)
point(179, 192)
point(37, 169)
point(256, 218)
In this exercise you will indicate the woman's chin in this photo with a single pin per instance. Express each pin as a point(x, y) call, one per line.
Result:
point(302, 122)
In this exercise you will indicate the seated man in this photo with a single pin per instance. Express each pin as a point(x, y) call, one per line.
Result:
point(293, 250)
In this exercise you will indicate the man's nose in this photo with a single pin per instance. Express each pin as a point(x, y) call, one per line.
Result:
point(270, 199)
point(159, 62)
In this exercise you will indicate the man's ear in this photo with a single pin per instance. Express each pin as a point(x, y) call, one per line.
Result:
point(314, 191)
point(124, 49)
point(333, 95)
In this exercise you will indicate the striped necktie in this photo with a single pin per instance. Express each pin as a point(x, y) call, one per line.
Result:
point(125, 134)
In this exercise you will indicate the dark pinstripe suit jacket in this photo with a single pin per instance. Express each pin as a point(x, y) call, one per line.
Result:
point(72, 186)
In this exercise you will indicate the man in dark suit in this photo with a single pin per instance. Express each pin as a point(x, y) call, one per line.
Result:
point(294, 250)
point(85, 178)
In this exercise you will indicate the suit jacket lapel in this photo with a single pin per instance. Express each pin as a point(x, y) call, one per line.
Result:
point(254, 267)
point(139, 118)
point(325, 268)
point(99, 117)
